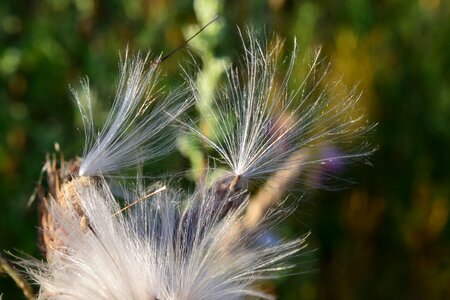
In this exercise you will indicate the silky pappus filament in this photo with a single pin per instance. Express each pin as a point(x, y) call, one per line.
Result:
point(211, 243)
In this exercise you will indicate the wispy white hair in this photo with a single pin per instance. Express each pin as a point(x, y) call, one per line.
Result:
point(136, 127)
point(163, 249)
point(266, 119)
point(174, 247)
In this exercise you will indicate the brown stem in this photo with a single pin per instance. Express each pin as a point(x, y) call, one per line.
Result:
point(273, 191)
point(18, 279)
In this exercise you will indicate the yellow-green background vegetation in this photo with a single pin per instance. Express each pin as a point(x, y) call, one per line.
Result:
point(385, 237)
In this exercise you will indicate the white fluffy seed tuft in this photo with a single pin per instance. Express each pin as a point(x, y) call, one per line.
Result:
point(156, 250)
point(264, 126)
point(136, 129)
point(205, 246)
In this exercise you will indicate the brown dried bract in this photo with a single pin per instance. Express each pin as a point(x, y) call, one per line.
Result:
point(60, 190)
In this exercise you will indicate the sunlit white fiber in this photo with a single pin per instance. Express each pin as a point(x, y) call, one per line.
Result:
point(262, 123)
point(161, 249)
point(133, 131)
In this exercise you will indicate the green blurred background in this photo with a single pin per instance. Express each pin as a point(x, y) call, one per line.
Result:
point(385, 237)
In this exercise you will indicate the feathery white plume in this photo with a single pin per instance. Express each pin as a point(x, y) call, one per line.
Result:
point(264, 126)
point(133, 131)
point(156, 250)
point(205, 246)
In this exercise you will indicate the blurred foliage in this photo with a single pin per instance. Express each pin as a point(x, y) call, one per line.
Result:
point(387, 236)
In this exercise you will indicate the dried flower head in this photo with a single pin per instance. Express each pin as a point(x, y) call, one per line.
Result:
point(176, 246)
point(165, 249)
